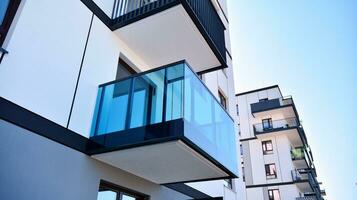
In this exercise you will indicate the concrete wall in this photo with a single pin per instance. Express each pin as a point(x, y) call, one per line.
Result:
point(33, 167)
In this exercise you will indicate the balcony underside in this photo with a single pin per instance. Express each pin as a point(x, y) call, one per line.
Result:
point(163, 163)
point(292, 133)
point(301, 163)
point(304, 186)
point(282, 112)
point(168, 36)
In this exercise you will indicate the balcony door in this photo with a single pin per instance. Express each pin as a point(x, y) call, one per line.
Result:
point(267, 124)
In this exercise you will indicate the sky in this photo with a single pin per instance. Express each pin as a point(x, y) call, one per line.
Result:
point(308, 48)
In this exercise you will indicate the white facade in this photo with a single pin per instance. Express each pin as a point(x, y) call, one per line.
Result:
point(270, 131)
point(59, 53)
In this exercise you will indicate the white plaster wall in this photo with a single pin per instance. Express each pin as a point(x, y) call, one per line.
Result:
point(288, 192)
point(255, 194)
point(106, 6)
point(246, 118)
point(41, 69)
point(99, 66)
point(285, 161)
point(43, 169)
point(257, 162)
point(212, 188)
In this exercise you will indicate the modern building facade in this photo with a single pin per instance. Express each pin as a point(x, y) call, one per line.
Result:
point(117, 99)
point(276, 158)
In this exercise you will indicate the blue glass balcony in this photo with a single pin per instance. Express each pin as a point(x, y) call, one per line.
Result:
point(166, 120)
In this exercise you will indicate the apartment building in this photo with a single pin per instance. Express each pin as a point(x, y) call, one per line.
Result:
point(276, 158)
point(117, 99)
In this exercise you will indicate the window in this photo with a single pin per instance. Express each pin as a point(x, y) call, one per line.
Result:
point(8, 10)
point(108, 191)
point(124, 70)
point(274, 194)
point(222, 99)
point(241, 149)
point(267, 124)
point(243, 174)
point(262, 100)
point(270, 171)
point(267, 147)
point(237, 109)
point(228, 183)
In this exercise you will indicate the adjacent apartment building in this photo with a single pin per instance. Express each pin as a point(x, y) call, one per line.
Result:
point(117, 99)
point(276, 158)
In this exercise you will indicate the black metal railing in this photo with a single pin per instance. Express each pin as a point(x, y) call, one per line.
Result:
point(202, 12)
point(276, 125)
point(210, 20)
point(271, 104)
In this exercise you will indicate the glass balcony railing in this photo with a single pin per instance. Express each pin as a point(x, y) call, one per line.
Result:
point(275, 125)
point(162, 96)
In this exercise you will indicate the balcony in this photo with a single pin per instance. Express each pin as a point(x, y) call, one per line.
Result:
point(306, 198)
point(284, 106)
point(164, 31)
point(306, 181)
point(302, 157)
point(164, 125)
point(276, 125)
point(289, 126)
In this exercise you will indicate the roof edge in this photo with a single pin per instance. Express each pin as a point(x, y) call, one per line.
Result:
point(260, 89)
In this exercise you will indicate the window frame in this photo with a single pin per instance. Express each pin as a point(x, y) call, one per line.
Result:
point(222, 97)
point(104, 185)
point(270, 123)
point(265, 149)
point(272, 197)
point(9, 16)
point(268, 173)
point(229, 183)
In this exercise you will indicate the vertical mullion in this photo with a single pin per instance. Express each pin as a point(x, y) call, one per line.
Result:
point(165, 97)
point(130, 104)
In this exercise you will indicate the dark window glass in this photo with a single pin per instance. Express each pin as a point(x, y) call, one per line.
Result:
point(108, 191)
point(8, 10)
point(237, 109)
point(274, 194)
point(270, 171)
point(222, 99)
point(267, 124)
point(243, 174)
point(124, 70)
point(267, 147)
point(4, 4)
point(265, 99)
point(228, 183)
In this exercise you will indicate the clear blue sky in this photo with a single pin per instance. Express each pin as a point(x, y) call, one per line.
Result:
point(309, 48)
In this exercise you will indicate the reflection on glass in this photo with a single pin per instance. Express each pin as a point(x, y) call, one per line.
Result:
point(207, 123)
point(170, 93)
point(107, 195)
point(148, 98)
point(126, 197)
point(3, 8)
